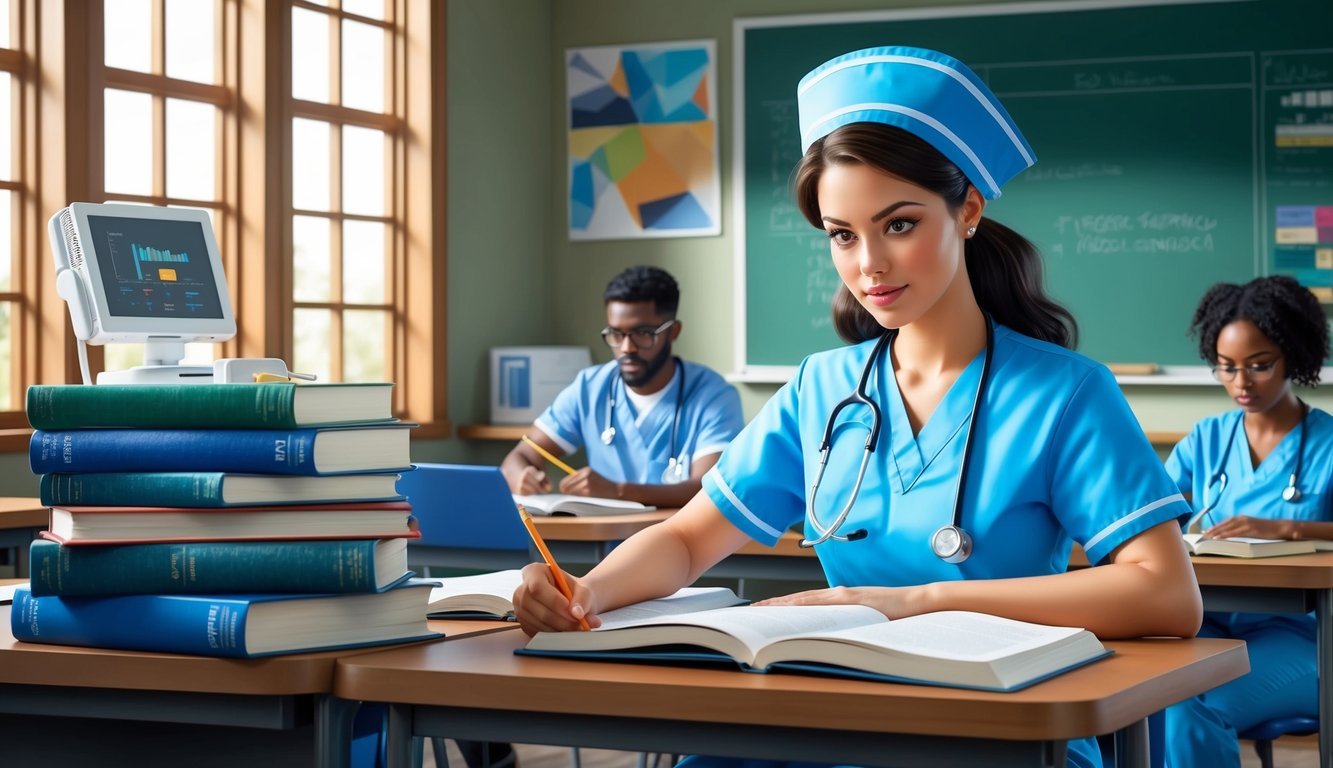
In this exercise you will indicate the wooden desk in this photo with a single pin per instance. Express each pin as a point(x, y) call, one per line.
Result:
point(72, 681)
point(477, 689)
point(21, 519)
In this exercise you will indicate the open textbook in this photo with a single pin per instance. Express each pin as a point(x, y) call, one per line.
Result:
point(950, 648)
point(1244, 546)
point(581, 506)
point(488, 596)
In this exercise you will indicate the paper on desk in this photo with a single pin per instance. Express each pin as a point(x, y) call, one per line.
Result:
point(7, 592)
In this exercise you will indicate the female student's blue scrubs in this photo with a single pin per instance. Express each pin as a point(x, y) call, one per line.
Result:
point(710, 416)
point(1283, 679)
point(1058, 457)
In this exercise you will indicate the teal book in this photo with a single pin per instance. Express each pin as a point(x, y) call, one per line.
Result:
point(211, 489)
point(956, 649)
point(200, 568)
point(237, 626)
point(214, 406)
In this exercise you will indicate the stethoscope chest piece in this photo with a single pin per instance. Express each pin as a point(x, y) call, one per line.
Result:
point(608, 435)
point(674, 472)
point(1291, 492)
point(951, 544)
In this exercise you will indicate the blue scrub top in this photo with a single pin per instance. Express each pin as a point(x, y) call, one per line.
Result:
point(710, 417)
point(1058, 455)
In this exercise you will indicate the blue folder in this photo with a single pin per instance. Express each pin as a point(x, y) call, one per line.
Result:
point(463, 505)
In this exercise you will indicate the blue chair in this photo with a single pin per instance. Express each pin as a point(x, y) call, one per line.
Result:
point(467, 519)
point(1264, 733)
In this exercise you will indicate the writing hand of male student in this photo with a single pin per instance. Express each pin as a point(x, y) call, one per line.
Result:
point(585, 482)
point(540, 606)
point(1253, 527)
point(532, 480)
point(894, 602)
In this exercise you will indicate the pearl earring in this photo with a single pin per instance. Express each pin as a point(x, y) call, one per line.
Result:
point(971, 231)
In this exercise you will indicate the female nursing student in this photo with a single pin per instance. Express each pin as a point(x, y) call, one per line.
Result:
point(1263, 470)
point(992, 446)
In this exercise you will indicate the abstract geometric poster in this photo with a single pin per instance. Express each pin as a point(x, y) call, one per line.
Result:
point(642, 141)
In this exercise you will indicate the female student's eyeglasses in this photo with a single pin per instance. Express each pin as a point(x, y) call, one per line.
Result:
point(1256, 372)
point(643, 338)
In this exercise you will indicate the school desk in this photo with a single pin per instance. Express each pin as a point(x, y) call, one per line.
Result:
point(476, 688)
point(274, 692)
point(21, 519)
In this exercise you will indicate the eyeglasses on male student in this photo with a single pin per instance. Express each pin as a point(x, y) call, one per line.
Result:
point(643, 338)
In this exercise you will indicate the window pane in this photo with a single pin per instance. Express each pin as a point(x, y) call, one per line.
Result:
point(310, 258)
point(6, 126)
point(371, 8)
point(310, 164)
point(129, 29)
point(191, 32)
point(310, 55)
point(363, 66)
point(6, 354)
point(6, 240)
point(310, 339)
point(5, 41)
point(363, 262)
point(120, 357)
point(129, 142)
point(191, 149)
point(364, 347)
point(363, 170)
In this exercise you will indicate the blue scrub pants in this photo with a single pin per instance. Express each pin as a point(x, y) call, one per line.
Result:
point(1283, 682)
point(1083, 753)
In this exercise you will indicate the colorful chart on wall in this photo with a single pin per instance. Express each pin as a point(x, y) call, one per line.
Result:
point(643, 141)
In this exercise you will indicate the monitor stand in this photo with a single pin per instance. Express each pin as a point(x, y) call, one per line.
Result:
point(161, 359)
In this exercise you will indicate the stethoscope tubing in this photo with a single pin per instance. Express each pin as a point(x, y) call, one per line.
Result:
point(1292, 493)
point(609, 433)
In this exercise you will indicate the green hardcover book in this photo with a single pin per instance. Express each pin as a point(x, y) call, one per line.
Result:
point(212, 489)
point(273, 406)
point(198, 568)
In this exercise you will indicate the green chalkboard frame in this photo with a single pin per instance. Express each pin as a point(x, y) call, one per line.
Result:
point(1131, 271)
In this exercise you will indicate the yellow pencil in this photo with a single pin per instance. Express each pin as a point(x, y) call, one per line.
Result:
point(556, 573)
point(551, 457)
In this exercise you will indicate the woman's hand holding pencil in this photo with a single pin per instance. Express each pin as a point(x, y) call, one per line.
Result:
point(574, 611)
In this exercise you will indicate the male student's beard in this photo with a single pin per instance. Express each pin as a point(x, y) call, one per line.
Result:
point(650, 367)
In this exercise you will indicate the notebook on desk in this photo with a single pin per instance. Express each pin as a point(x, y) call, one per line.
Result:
point(465, 506)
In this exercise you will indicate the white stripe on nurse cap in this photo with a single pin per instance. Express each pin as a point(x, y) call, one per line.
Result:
point(926, 93)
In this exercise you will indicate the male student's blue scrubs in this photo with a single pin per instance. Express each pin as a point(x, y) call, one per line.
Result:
point(1058, 456)
point(1283, 679)
point(710, 416)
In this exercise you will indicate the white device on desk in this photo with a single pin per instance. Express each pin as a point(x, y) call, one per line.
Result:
point(140, 273)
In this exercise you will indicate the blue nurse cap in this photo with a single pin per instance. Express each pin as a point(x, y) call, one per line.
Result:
point(926, 93)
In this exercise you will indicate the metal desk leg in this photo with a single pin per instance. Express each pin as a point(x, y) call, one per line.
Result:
point(333, 731)
point(398, 740)
point(1131, 745)
point(1323, 611)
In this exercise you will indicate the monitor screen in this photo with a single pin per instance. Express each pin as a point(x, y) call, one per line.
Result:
point(155, 267)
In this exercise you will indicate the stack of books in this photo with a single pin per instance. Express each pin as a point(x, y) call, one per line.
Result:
point(220, 519)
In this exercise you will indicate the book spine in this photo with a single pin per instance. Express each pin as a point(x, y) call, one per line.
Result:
point(51, 406)
point(133, 489)
point(286, 452)
point(205, 626)
point(299, 567)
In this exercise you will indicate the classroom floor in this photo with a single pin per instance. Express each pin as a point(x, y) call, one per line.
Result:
point(1288, 753)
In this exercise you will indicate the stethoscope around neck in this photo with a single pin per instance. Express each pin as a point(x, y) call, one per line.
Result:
point(950, 543)
point(1292, 493)
point(676, 471)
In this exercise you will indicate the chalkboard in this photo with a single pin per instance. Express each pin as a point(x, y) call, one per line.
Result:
point(1170, 141)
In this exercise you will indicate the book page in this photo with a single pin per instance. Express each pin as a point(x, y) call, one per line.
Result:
point(686, 600)
point(756, 626)
point(957, 635)
point(499, 586)
point(546, 503)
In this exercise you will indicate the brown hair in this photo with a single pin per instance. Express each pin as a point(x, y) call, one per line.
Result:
point(1004, 267)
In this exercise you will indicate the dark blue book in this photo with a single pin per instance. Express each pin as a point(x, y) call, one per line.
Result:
point(211, 489)
point(201, 568)
point(238, 626)
point(327, 451)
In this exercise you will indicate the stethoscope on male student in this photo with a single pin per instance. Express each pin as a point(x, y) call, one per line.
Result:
point(676, 471)
point(1291, 494)
point(950, 543)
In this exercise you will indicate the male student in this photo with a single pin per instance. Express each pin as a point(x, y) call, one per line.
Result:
point(649, 423)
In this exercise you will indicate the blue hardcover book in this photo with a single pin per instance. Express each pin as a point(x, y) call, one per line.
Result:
point(200, 568)
point(958, 649)
point(238, 626)
point(327, 451)
point(212, 489)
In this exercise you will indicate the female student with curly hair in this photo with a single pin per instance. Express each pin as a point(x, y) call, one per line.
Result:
point(997, 446)
point(1262, 470)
